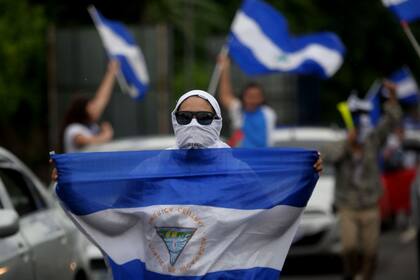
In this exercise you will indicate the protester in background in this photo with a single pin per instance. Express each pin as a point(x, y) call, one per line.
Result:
point(252, 121)
point(358, 189)
point(80, 126)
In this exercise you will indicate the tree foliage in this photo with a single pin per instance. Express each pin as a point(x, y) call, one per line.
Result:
point(22, 56)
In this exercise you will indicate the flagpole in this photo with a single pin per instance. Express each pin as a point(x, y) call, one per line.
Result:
point(121, 81)
point(406, 27)
point(215, 77)
point(373, 89)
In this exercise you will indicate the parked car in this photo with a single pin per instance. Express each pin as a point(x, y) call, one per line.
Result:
point(318, 230)
point(37, 240)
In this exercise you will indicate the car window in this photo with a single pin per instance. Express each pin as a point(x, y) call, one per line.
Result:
point(23, 194)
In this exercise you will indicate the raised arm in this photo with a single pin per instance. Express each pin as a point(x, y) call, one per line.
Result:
point(97, 105)
point(226, 94)
point(106, 133)
point(392, 114)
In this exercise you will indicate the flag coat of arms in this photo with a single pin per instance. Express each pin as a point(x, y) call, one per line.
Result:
point(189, 214)
point(260, 43)
point(120, 44)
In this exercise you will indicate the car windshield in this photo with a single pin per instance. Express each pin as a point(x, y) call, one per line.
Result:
point(313, 145)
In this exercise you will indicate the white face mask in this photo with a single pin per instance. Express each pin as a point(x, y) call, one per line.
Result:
point(195, 135)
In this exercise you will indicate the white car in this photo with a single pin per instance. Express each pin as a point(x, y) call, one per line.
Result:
point(37, 240)
point(318, 229)
point(158, 142)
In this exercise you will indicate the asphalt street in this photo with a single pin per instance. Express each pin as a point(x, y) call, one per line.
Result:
point(397, 261)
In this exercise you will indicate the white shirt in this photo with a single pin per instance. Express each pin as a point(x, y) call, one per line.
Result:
point(74, 130)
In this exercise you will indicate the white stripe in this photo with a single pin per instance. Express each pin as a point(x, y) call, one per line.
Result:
point(271, 118)
point(393, 2)
point(406, 87)
point(117, 46)
point(235, 239)
point(268, 53)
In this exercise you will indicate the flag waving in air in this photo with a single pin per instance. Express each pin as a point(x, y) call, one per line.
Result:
point(260, 43)
point(120, 44)
point(189, 214)
point(405, 10)
point(407, 89)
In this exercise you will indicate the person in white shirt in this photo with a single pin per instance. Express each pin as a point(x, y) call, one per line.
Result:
point(80, 126)
point(252, 121)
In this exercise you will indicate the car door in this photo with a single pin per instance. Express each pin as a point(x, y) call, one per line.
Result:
point(15, 260)
point(40, 227)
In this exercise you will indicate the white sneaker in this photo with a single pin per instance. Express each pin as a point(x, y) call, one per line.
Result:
point(408, 235)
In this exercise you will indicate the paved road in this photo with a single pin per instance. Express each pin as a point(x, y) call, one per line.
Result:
point(397, 260)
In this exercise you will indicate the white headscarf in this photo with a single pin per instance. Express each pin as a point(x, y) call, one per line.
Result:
point(195, 135)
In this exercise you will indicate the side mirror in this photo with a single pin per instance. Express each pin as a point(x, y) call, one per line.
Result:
point(9, 222)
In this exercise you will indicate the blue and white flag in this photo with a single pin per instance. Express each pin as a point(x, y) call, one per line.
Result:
point(120, 44)
point(260, 43)
point(374, 98)
point(405, 10)
point(407, 89)
point(189, 214)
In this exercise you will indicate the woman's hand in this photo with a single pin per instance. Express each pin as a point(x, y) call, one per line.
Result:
point(223, 61)
point(54, 173)
point(107, 132)
point(318, 166)
point(113, 66)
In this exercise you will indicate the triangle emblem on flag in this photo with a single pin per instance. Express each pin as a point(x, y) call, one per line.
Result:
point(175, 239)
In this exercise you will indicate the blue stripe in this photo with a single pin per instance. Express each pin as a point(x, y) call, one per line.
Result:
point(137, 270)
point(118, 28)
point(408, 10)
point(401, 75)
point(265, 16)
point(413, 98)
point(131, 77)
point(230, 178)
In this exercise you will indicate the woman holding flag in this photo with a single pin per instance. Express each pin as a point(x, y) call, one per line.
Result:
point(80, 122)
point(252, 120)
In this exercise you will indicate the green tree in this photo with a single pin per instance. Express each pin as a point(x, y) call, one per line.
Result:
point(22, 56)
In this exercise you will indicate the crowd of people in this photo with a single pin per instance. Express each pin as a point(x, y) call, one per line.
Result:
point(197, 122)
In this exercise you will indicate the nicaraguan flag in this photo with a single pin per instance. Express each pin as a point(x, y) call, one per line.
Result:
point(260, 43)
point(407, 89)
point(374, 98)
point(120, 44)
point(405, 10)
point(189, 214)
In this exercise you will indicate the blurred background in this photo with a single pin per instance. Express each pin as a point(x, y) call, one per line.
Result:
point(50, 50)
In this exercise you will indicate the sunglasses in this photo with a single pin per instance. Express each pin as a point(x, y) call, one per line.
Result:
point(203, 118)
